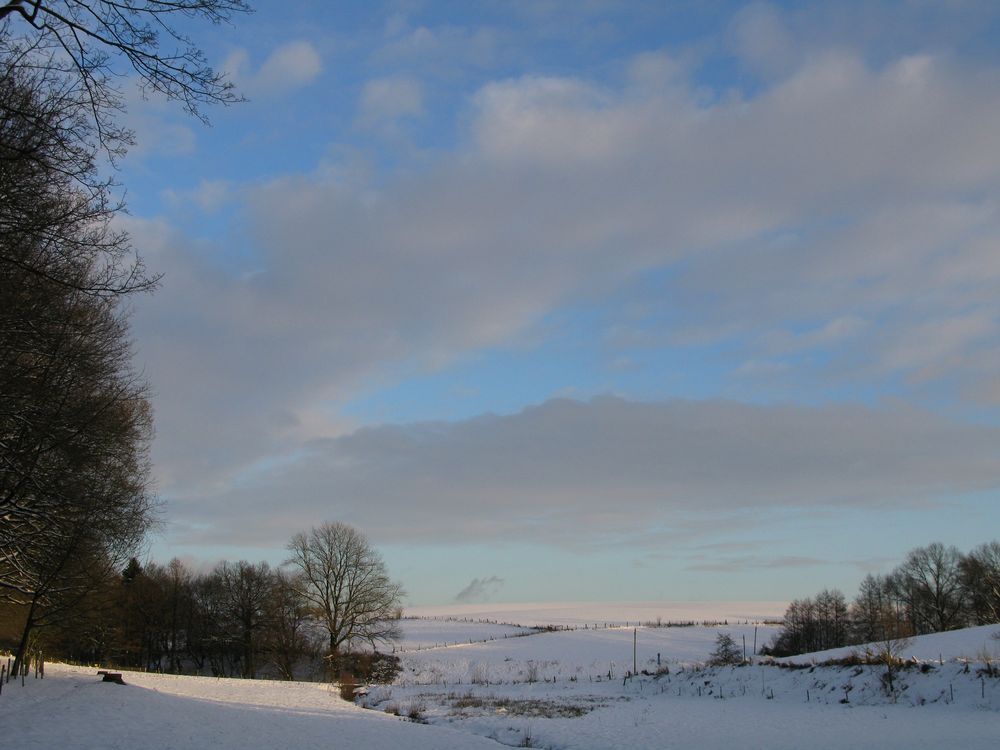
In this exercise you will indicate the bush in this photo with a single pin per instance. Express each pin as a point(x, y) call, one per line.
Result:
point(377, 668)
point(726, 652)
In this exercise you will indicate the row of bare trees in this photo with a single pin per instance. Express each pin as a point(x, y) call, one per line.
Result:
point(239, 619)
point(935, 588)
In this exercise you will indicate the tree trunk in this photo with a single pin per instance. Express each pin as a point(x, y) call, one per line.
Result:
point(22, 648)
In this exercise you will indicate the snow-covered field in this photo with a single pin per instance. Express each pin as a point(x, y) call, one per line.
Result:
point(430, 633)
point(568, 689)
point(583, 654)
point(550, 689)
point(611, 613)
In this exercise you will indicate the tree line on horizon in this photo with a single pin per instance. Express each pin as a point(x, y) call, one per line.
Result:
point(239, 619)
point(936, 588)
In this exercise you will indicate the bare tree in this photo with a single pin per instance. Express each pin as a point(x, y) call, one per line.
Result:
point(246, 589)
point(812, 625)
point(929, 581)
point(288, 637)
point(981, 580)
point(346, 585)
point(56, 222)
point(82, 40)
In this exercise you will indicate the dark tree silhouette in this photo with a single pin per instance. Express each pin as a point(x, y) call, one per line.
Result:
point(75, 422)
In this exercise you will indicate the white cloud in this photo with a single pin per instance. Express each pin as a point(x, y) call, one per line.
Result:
point(291, 66)
point(386, 100)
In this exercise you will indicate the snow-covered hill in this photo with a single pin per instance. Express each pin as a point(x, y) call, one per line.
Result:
point(968, 644)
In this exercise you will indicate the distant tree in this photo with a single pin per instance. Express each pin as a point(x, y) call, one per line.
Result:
point(246, 589)
point(832, 620)
point(980, 575)
point(288, 638)
point(929, 583)
point(209, 641)
point(726, 652)
point(345, 584)
point(871, 610)
point(812, 625)
point(178, 601)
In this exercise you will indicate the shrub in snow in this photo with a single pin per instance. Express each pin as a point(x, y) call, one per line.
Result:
point(726, 652)
point(374, 667)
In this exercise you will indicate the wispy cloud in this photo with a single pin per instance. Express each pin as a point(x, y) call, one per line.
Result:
point(735, 565)
point(290, 66)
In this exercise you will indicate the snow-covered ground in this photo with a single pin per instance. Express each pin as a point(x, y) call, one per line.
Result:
point(549, 689)
point(610, 613)
point(430, 633)
point(585, 654)
point(72, 709)
point(553, 690)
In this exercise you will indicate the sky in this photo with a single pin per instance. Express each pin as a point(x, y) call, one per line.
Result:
point(582, 300)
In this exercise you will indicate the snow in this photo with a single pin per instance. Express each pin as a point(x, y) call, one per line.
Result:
point(963, 645)
point(551, 688)
point(581, 653)
point(72, 708)
point(611, 613)
point(429, 633)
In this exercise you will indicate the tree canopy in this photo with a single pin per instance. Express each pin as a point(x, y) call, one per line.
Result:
point(345, 584)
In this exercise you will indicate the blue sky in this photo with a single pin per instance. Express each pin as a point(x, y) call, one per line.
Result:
point(593, 300)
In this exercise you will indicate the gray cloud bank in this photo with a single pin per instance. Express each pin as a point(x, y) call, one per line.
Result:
point(583, 472)
point(845, 210)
